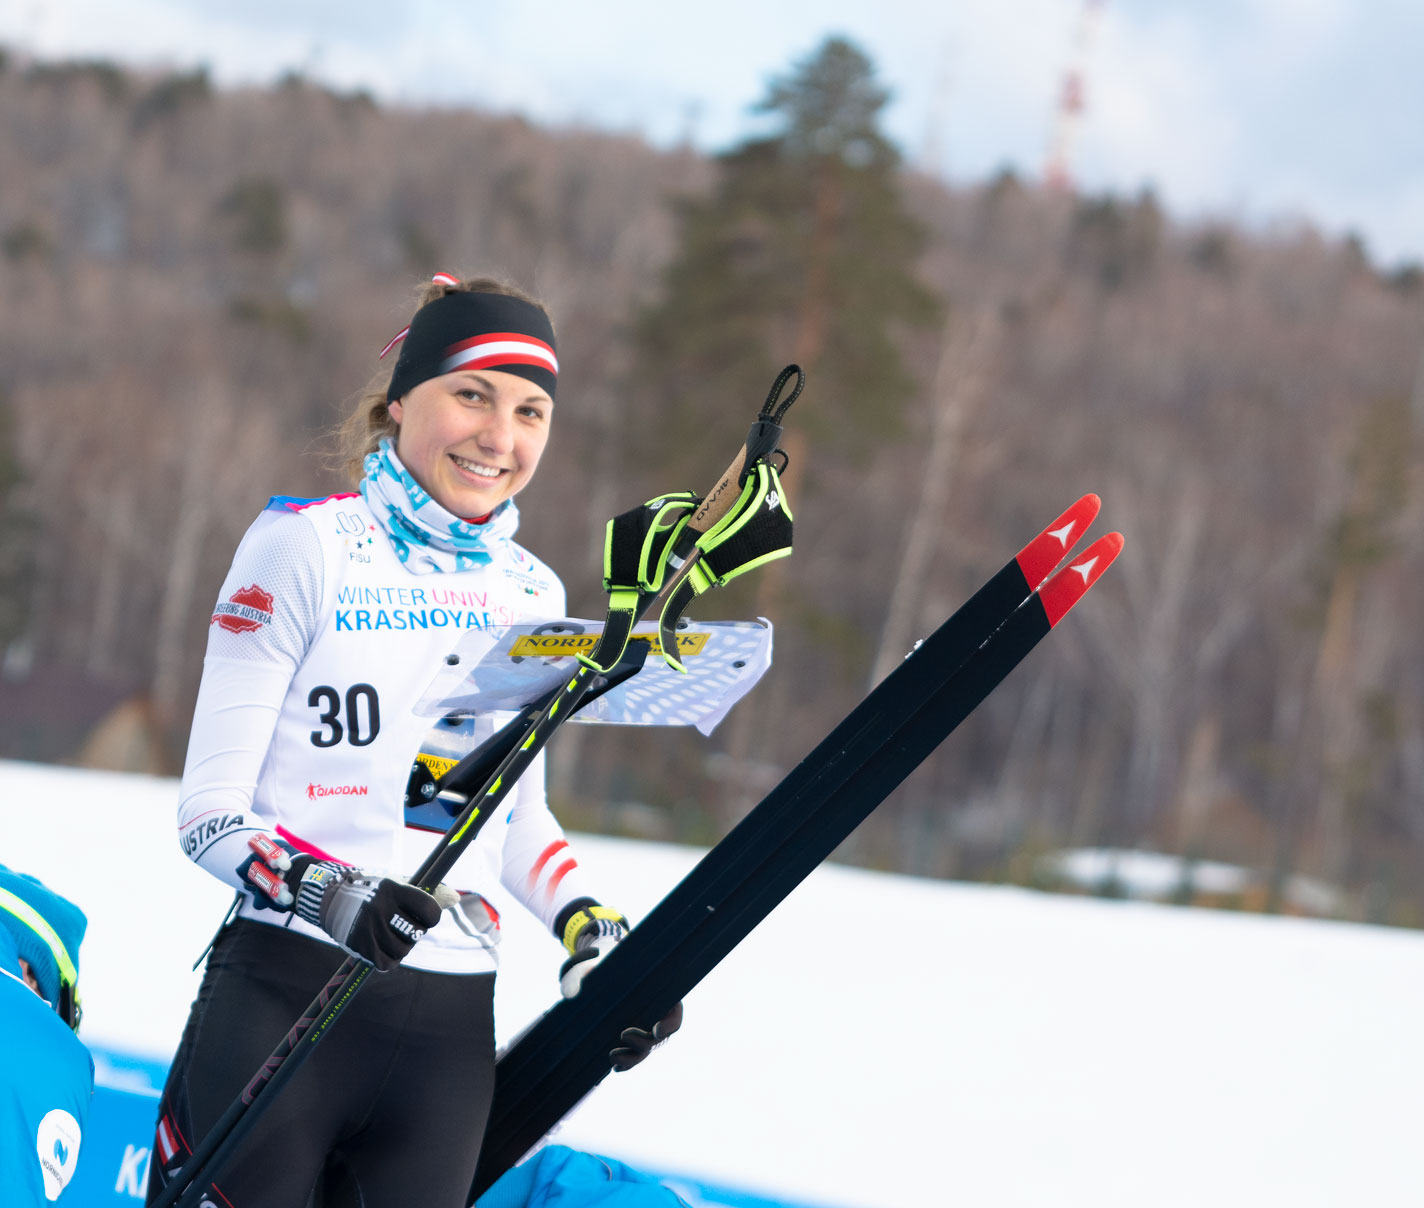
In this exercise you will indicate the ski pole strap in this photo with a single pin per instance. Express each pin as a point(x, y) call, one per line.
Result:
point(755, 531)
point(720, 541)
point(638, 544)
point(639, 552)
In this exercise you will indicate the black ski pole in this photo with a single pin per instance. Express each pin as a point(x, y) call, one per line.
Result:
point(222, 1140)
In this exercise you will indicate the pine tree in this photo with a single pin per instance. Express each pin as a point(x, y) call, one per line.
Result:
point(802, 252)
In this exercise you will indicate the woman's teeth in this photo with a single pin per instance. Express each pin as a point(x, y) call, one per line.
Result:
point(482, 471)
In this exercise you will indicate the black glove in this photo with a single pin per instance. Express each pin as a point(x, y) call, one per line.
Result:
point(378, 918)
point(637, 1043)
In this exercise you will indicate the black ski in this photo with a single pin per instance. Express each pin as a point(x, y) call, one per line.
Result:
point(564, 1055)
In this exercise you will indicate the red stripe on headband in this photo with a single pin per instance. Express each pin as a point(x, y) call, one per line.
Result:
point(490, 337)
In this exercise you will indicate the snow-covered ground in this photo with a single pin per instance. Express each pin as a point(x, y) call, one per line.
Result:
point(882, 1041)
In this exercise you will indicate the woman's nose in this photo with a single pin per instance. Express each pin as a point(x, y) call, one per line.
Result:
point(497, 432)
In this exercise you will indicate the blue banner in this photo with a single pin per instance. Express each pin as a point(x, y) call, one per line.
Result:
point(113, 1160)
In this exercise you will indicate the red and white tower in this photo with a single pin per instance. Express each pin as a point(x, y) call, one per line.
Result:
point(1071, 98)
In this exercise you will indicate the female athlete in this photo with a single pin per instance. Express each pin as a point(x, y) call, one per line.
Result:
point(330, 624)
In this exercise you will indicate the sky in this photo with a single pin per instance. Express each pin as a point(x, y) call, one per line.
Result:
point(882, 1040)
point(1270, 112)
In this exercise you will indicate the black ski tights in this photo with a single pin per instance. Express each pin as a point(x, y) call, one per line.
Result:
point(387, 1112)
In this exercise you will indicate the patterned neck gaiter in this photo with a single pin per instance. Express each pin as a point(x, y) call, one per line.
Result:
point(427, 538)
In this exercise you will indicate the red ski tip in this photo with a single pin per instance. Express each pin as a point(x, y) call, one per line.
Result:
point(1038, 558)
point(1071, 583)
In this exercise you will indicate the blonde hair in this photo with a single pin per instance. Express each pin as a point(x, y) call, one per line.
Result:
point(370, 420)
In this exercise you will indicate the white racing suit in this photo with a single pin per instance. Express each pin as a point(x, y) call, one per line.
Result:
point(320, 644)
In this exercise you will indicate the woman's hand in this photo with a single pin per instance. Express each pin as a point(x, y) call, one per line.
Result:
point(637, 1043)
point(591, 934)
point(377, 918)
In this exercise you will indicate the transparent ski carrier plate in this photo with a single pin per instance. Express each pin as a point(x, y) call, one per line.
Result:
point(491, 675)
point(505, 669)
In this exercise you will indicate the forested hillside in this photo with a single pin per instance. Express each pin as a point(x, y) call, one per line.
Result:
point(194, 283)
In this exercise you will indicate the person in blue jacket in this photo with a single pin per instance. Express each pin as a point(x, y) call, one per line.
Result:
point(558, 1177)
point(47, 1075)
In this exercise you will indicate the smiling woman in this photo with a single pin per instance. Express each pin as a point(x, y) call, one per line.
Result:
point(462, 419)
point(473, 439)
point(293, 793)
point(422, 353)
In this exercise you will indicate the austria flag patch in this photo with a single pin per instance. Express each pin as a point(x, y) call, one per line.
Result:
point(245, 611)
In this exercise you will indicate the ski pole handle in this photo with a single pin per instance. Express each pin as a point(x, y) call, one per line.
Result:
point(718, 501)
point(761, 442)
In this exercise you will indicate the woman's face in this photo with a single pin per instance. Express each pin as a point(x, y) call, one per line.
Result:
point(472, 439)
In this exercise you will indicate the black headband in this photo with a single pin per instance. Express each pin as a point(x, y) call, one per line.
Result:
point(475, 331)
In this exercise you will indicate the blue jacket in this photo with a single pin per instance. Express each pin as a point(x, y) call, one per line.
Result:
point(46, 1079)
point(558, 1177)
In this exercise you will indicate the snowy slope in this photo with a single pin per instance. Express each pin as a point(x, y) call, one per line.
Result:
point(882, 1041)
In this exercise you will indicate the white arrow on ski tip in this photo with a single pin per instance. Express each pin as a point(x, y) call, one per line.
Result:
point(1086, 568)
point(1063, 534)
